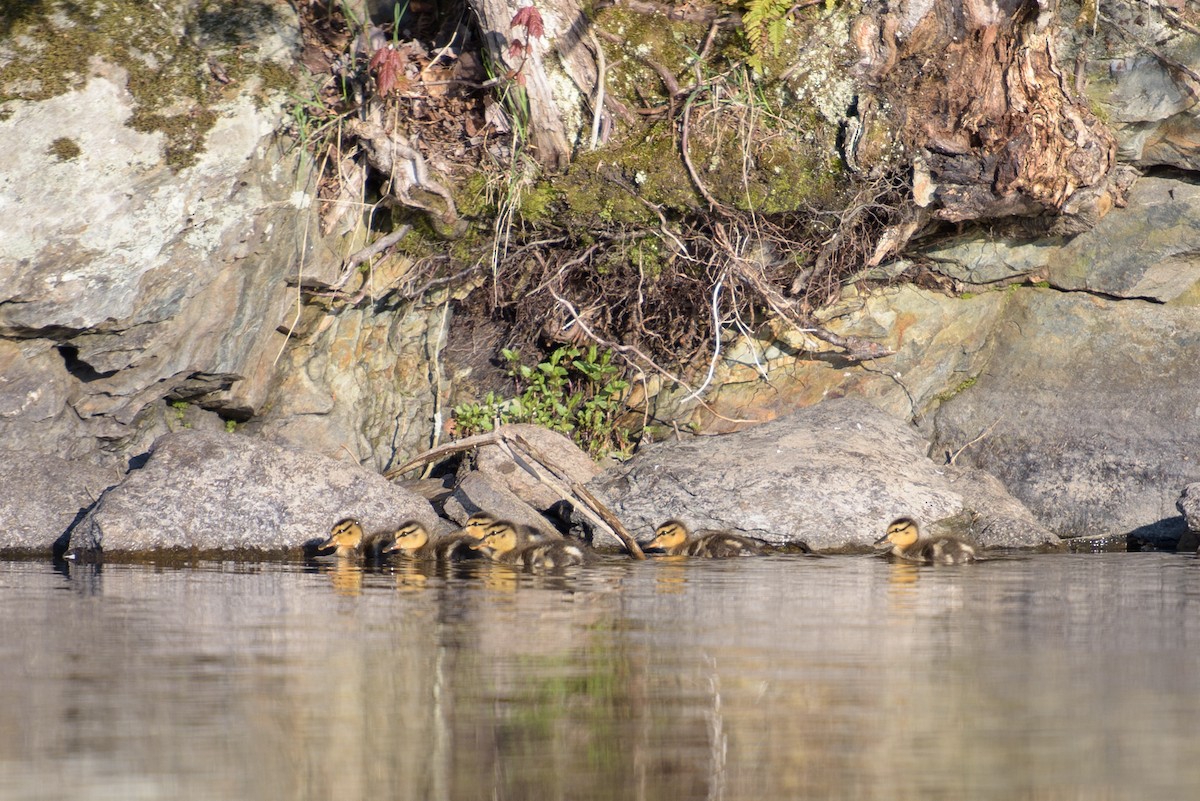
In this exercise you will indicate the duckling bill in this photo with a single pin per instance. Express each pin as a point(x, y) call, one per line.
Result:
point(904, 537)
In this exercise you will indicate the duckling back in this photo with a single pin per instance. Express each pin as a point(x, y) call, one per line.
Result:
point(555, 554)
point(946, 551)
point(722, 545)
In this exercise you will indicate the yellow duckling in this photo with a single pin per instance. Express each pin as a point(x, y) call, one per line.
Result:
point(477, 525)
point(673, 537)
point(349, 540)
point(412, 540)
point(514, 544)
point(904, 536)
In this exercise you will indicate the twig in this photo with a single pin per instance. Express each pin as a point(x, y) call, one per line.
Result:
point(953, 458)
point(433, 454)
point(591, 504)
point(624, 350)
point(687, 159)
point(435, 358)
point(716, 354)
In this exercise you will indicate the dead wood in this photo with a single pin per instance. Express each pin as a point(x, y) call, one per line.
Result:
point(542, 468)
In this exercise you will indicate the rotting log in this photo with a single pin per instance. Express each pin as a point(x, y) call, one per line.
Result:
point(556, 113)
point(991, 124)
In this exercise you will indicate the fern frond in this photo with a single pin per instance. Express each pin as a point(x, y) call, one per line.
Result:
point(764, 24)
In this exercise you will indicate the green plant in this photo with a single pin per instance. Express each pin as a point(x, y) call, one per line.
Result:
point(575, 391)
point(179, 412)
point(764, 23)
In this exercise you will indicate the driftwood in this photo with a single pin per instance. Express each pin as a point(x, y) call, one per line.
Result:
point(540, 467)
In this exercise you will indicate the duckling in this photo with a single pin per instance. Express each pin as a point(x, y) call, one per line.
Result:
point(515, 544)
point(477, 524)
point(349, 540)
point(412, 540)
point(673, 536)
point(904, 536)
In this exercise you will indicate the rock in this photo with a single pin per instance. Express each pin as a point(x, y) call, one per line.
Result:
point(150, 223)
point(480, 492)
point(1086, 412)
point(1189, 506)
point(940, 343)
point(359, 385)
point(997, 519)
point(557, 448)
point(832, 475)
point(209, 491)
point(42, 496)
point(1149, 108)
point(1143, 251)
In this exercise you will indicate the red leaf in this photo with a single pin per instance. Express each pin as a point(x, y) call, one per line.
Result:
point(388, 66)
point(531, 19)
point(517, 49)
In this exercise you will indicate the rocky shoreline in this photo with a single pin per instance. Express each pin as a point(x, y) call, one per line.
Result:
point(832, 476)
point(163, 385)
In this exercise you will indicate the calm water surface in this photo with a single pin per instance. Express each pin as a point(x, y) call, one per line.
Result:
point(1027, 677)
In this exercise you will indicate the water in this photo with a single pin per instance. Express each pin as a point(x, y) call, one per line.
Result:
point(1027, 677)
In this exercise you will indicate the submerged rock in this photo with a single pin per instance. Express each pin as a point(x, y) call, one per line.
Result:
point(210, 491)
point(832, 476)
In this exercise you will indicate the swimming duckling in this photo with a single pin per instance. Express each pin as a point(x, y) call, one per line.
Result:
point(673, 536)
point(513, 544)
point(349, 540)
point(905, 538)
point(412, 540)
point(477, 524)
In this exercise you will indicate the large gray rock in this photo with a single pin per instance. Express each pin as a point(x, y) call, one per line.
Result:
point(209, 491)
point(1146, 96)
point(41, 496)
point(1087, 412)
point(151, 221)
point(833, 475)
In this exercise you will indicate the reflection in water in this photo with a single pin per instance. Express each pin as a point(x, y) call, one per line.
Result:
point(1050, 677)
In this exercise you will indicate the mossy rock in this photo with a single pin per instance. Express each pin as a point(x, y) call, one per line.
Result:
point(166, 50)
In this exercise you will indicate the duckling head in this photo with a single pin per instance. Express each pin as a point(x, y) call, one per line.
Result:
point(346, 535)
point(478, 523)
point(409, 537)
point(668, 535)
point(499, 538)
point(901, 533)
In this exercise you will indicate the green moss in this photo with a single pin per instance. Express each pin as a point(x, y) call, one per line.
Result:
point(598, 191)
point(64, 149)
point(537, 203)
point(54, 46)
point(963, 386)
point(473, 198)
point(647, 39)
